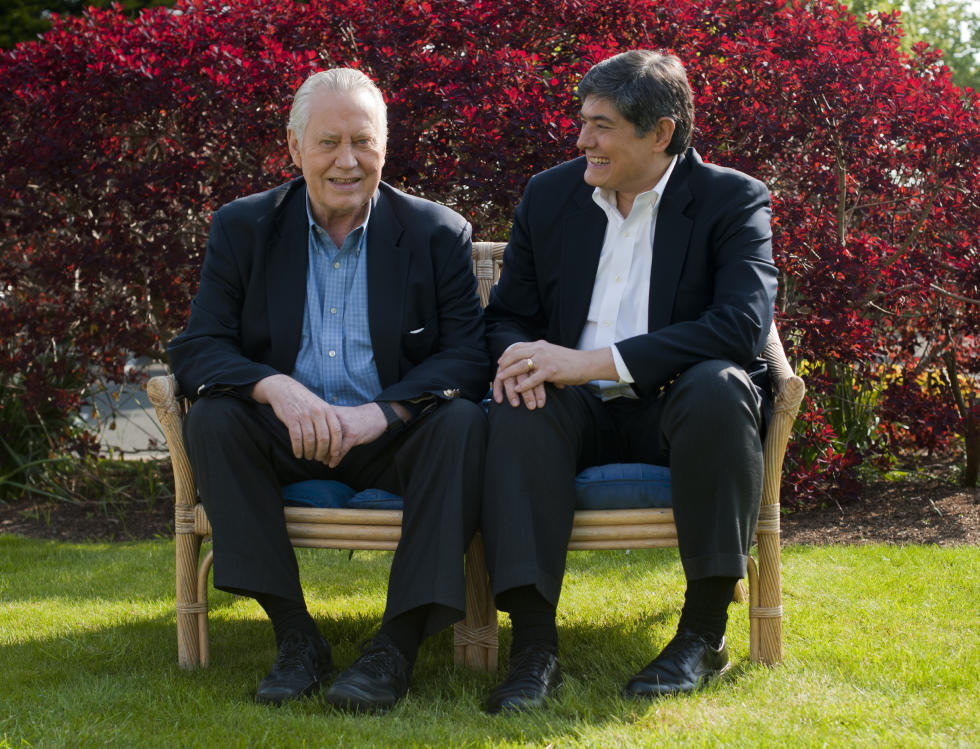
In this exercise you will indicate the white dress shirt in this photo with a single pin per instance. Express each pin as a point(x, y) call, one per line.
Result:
point(621, 295)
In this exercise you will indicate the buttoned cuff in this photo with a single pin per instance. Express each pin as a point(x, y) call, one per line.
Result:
point(625, 378)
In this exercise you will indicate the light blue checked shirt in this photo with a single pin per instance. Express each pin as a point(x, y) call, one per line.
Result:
point(336, 360)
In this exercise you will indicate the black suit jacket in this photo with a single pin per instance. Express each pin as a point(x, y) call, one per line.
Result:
point(424, 313)
point(712, 286)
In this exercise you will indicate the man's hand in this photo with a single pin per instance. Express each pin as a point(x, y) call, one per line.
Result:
point(524, 368)
point(360, 425)
point(315, 430)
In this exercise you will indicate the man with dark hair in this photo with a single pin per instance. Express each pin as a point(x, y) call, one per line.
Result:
point(636, 295)
point(335, 328)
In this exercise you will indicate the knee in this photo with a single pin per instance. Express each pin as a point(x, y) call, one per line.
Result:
point(462, 417)
point(507, 419)
point(212, 419)
point(714, 391)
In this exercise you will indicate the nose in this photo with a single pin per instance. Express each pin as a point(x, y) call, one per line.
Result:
point(585, 138)
point(345, 156)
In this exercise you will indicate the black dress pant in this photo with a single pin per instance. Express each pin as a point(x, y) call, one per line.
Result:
point(705, 425)
point(241, 456)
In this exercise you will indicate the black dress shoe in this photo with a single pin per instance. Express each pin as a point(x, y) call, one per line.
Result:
point(534, 676)
point(688, 663)
point(301, 666)
point(375, 681)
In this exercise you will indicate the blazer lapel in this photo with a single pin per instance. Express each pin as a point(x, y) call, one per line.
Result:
point(670, 243)
point(582, 235)
point(387, 267)
point(287, 262)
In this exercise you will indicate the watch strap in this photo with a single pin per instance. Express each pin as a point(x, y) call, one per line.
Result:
point(395, 422)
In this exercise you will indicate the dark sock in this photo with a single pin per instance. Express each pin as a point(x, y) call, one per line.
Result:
point(406, 631)
point(705, 609)
point(287, 615)
point(532, 619)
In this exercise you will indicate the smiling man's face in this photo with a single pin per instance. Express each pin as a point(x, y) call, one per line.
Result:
point(618, 158)
point(341, 154)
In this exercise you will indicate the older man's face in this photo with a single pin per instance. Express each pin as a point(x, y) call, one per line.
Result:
point(341, 154)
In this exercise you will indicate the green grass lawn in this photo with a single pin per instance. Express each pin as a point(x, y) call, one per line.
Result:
point(882, 649)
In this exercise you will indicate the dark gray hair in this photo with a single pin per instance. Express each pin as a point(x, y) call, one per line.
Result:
point(342, 80)
point(644, 86)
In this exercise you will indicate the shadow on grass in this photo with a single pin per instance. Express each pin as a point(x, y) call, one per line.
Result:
point(125, 661)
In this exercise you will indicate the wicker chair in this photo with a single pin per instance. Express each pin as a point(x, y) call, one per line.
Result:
point(475, 640)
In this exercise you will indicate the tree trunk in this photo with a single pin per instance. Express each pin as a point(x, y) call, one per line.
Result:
point(972, 440)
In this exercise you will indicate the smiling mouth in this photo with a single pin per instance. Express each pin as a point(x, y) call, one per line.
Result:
point(598, 161)
point(344, 180)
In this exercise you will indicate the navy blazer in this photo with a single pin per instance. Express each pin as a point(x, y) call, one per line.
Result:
point(424, 313)
point(713, 282)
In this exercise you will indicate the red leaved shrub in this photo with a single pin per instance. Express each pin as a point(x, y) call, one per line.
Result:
point(118, 138)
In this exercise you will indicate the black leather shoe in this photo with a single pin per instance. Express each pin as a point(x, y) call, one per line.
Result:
point(534, 676)
point(688, 663)
point(375, 681)
point(301, 666)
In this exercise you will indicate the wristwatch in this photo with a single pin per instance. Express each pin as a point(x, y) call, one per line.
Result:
point(395, 423)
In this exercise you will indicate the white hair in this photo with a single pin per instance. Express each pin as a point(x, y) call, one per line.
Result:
point(342, 80)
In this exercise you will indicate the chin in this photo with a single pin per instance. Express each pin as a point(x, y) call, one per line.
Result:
point(593, 179)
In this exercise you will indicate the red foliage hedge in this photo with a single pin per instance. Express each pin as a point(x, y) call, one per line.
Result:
point(118, 138)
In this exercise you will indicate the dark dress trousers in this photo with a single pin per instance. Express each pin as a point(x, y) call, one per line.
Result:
point(697, 372)
point(427, 335)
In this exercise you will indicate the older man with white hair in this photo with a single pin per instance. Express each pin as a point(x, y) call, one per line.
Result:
point(337, 334)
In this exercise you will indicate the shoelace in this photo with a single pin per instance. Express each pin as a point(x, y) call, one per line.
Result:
point(295, 652)
point(379, 659)
point(531, 660)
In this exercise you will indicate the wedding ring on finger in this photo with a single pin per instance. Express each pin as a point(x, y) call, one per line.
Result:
point(530, 364)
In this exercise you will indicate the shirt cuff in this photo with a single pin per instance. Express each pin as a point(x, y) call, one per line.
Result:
point(625, 378)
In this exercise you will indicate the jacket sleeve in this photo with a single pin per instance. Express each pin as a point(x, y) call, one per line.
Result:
point(734, 323)
point(515, 311)
point(208, 356)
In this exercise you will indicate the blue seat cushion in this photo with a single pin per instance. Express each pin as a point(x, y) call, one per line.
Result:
point(326, 493)
point(615, 486)
point(375, 499)
point(620, 486)
point(317, 493)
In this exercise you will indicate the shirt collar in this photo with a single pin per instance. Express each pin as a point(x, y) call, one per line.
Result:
point(359, 231)
point(606, 199)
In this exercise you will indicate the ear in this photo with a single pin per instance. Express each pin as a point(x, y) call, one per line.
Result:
point(294, 149)
point(663, 132)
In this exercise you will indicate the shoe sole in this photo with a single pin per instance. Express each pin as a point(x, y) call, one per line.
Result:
point(276, 701)
point(358, 703)
point(523, 705)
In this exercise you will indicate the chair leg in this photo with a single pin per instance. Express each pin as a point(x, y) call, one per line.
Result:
point(203, 639)
point(475, 638)
point(188, 607)
point(766, 597)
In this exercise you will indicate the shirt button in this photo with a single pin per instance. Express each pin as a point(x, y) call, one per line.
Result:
point(619, 279)
point(332, 353)
point(336, 265)
point(333, 310)
point(606, 323)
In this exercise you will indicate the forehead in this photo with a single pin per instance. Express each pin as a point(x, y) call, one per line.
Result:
point(345, 111)
point(600, 108)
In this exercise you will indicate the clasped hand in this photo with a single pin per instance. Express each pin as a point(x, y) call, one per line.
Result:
point(317, 430)
point(524, 368)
